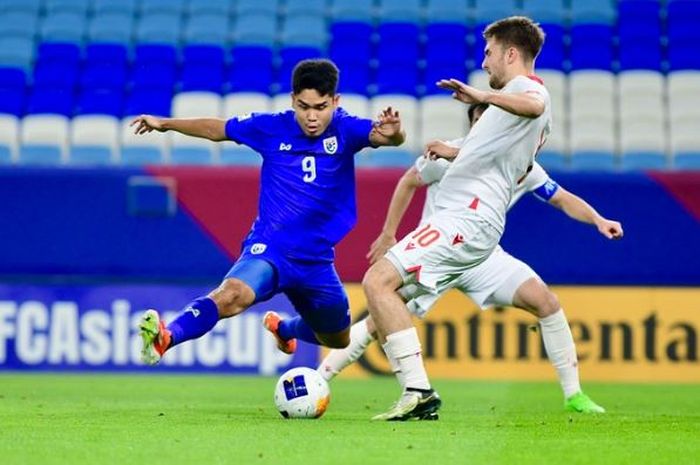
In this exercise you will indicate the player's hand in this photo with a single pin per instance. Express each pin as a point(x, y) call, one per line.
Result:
point(147, 123)
point(379, 247)
point(463, 92)
point(388, 123)
point(610, 229)
point(438, 149)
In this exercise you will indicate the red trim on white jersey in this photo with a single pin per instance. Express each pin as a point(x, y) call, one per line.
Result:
point(415, 269)
point(535, 78)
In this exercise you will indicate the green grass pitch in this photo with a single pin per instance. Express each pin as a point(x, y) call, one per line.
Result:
point(206, 420)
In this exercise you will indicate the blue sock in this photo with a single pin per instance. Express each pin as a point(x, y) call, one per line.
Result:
point(198, 318)
point(297, 328)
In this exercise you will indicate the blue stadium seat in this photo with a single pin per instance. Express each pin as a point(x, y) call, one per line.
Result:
point(639, 30)
point(593, 161)
point(552, 54)
point(147, 75)
point(434, 73)
point(139, 156)
point(51, 100)
point(309, 30)
point(687, 161)
point(487, 11)
point(351, 42)
point(397, 79)
point(445, 43)
point(101, 101)
point(53, 7)
point(290, 56)
point(683, 17)
point(18, 24)
point(204, 54)
point(398, 36)
point(39, 155)
point(356, 10)
point(13, 101)
point(554, 161)
point(159, 28)
point(190, 156)
point(90, 155)
point(643, 161)
point(126, 7)
point(12, 78)
point(16, 52)
point(593, 12)
point(53, 73)
point(207, 29)
point(63, 27)
point(155, 53)
point(202, 77)
point(155, 101)
point(111, 27)
point(209, 7)
point(245, 7)
point(113, 54)
point(401, 10)
point(546, 11)
point(354, 77)
point(305, 7)
point(5, 155)
point(251, 70)
point(21, 6)
point(255, 29)
point(386, 157)
point(591, 47)
point(66, 53)
point(174, 7)
point(447, 11)
point(103, 75)
point(239, 155)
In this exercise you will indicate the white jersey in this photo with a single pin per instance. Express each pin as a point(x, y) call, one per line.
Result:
point(495, 156)
point(432, 171)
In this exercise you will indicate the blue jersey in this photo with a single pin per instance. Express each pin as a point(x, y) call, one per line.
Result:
point(307, 184)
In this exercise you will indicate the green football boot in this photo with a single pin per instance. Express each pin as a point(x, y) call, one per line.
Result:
point(581, 403)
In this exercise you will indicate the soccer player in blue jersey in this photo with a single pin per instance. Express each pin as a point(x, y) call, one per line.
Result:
point(307, 204)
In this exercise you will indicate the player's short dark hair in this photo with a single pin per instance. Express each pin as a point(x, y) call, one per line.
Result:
point(473, 108)
point(517, 31)
point(318, 74)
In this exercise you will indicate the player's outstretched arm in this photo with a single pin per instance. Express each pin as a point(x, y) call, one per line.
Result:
point(527, 105)
point(438, 149)
point(207, 128)
point(580, 210)
point(400, 200)
point(387, 129)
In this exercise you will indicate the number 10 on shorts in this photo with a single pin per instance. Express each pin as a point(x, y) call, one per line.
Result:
point(426, 235)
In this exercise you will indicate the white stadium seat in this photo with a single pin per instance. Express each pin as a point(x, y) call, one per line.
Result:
point(197, 104)
point(442, 117)
point(145, 148)
point(356, 105)
point(44, 139)
point(9, 138)
point(281, 103)
point(408, 110)
point(241, 103)
point(94, 136)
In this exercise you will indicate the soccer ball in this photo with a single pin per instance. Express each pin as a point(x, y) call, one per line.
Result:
point(302, 393)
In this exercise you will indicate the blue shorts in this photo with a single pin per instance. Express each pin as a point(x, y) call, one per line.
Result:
point(313, 288)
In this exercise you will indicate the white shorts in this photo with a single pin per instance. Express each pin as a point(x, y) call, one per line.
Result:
point(442, 249)
point(490, 283)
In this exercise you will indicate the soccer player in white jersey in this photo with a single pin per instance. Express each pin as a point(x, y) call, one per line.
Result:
point(501, 280)
point(470, 205)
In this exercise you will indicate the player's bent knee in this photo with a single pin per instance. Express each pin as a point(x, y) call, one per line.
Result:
point(550, 303)
point(380, 278)
point(232, 297)
point(335, 340)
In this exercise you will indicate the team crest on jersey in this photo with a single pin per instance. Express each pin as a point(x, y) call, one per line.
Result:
point(330, 145)
point(258, 248)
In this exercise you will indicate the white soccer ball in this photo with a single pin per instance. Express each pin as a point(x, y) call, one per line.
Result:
point(302, 393)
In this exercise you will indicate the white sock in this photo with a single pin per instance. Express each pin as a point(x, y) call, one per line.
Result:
point(405, 349)
point(561, 351)
point(338, 359)
point(396, 369)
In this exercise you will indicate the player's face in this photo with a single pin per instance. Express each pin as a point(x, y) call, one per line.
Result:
point(476, 117)
point(313, 111)
point(495, 63)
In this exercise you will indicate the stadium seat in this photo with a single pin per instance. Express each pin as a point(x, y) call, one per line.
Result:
point(207, 28)
point(447, 11)
point(101, 101)
point(281, 103)
point(639, 30)
point(683, 139)
point(683, 97)
point(479, 79)
point(112, 28)
point(148, 101)
point(593, 161)
point(354, 77)
point(591, 47)
point(63, 27)
point(642, 139)
point(9, 138)
point(203, 68)
point(636, 161)
point(113, 54)
point(401, 10)
point(174, 7)
point(687, 161)
point(185, 150)
point(289, 57)
point(44, 139)
point(66, 53)
point(251, 69)
point(255, 29)
point(593, 12)
point(103, 75)
point(304, 7)
point(94, 140)
point(21, 6)
point(156, 53)
point(357, 10)
point(442, 118)
point(397, 78)
point(552, 160)
point(487, 11)
point(242, 103)
point(398, 36)
point(55, 73)
point(141, 149)
point(552, 54)
point(159, 28)
point(239, 155)
point(408, 108)
point(641, 96)
point(51, 100)
point(308, 30)
point(546, 11)
point(20, 24)
point(356, 105)
point(80, 7)
point(385, 157)
point(209, 7)
point(197, 104)
point(13, 101)
point(125, 7)
point(435, 72)
point(351, 42)
point(245, 7)
point(16, 52)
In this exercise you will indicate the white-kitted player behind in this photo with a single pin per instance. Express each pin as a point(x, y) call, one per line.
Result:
point(470, 206)
point(501, 280)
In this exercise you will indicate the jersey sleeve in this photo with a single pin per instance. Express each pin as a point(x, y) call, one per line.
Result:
point(540, 184)
point(456, 143)
point(247, 129)
point(525, 85)
point(356, 131)
point(431, 171)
